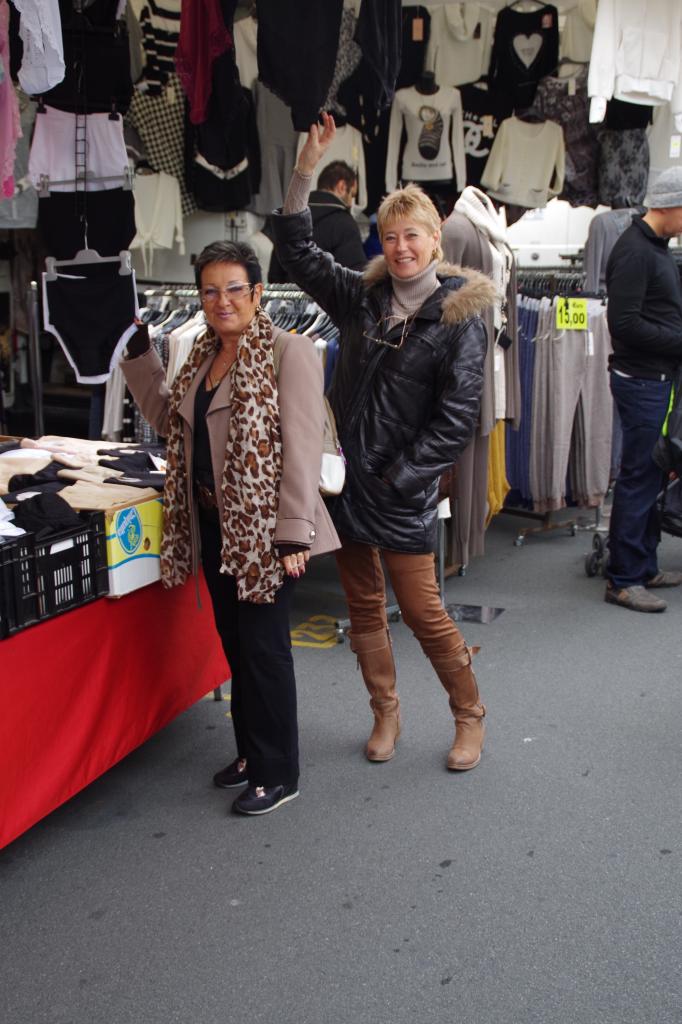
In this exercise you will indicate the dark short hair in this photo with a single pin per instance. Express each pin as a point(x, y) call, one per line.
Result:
point(333, 173)
point(229, 252)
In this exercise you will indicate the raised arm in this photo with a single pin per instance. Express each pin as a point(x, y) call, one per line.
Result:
point(335, 288)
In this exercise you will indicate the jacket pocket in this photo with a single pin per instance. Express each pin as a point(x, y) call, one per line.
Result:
point(373, 462)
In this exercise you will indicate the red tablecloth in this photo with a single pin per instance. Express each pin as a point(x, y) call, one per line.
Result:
point(80, 691)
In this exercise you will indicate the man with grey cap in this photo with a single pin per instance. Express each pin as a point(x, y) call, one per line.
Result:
point(645, 321)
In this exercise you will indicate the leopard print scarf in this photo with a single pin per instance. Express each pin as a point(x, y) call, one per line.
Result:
point(251, 476)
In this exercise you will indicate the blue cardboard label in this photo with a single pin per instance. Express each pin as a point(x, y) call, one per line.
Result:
point(128, 529)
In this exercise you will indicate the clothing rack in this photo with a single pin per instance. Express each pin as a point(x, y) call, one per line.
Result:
point(548, 282)
point(552, 282)
point(166, 298)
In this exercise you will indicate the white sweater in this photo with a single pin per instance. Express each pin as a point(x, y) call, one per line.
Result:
point(637, 55)
point(434, 150)
point(460, 43)
point(526, 163)
point(158, 215)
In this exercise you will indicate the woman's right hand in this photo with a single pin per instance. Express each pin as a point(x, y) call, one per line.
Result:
point(318, 142)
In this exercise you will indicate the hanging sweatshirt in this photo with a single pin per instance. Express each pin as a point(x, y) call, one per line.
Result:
point(483, 111)
point(525, 48)
point(160, 26)
point(564, 101)
point(347, 146)
point(637, 55)
point(526, 163)
point(460, 43)
point(416, 35)
point(434, 150)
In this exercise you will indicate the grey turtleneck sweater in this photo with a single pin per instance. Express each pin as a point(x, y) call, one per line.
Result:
point(408, 295)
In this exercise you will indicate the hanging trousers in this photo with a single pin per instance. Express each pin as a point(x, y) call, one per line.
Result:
point(413, 579)
point(634, 530)
point(570, 390)
point(257, 645)
point(519, 441)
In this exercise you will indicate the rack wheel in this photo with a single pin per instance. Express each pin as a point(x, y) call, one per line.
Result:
point(518, 543)
point(573, 530)
point(592, 564)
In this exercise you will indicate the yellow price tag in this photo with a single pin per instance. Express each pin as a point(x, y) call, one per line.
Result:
point(571, 314)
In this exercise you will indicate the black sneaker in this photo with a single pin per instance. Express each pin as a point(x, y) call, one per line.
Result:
point(263, 799)
point(233, 776)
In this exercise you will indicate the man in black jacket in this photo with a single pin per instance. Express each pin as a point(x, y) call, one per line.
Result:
point(334, 229)
point(645, 321)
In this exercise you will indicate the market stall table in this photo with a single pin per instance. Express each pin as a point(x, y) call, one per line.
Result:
point(81, 690)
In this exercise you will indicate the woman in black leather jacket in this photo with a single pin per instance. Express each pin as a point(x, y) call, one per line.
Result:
point(406, 396)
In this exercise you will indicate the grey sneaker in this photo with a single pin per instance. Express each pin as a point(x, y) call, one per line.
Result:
point(637, 598)
point(665, 579)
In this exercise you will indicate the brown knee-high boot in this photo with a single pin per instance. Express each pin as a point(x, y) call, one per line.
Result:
point(375, 658)
point(457, 676)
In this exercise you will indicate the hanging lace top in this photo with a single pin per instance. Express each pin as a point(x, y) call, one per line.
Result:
point(40, 29)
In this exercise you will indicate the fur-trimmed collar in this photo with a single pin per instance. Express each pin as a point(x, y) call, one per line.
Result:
point(472, 298)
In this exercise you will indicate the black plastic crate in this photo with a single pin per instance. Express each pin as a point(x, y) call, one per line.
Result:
point(18, 595)
point(71, 567)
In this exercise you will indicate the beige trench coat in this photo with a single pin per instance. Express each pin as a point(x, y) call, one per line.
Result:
point(302, 517)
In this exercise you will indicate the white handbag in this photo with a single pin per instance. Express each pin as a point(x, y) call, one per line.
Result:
point(333, 469)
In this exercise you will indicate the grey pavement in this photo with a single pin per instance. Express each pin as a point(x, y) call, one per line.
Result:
point(541, 888)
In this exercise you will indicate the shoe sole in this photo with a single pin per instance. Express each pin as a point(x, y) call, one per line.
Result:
point(631, 608)
point(463, 767)
point(232, 785)
point(284, 800)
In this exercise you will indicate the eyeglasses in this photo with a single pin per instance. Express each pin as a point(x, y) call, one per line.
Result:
point(233, 291)
point(383, 324)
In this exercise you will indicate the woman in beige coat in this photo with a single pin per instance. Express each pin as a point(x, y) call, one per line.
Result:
point(243, 421)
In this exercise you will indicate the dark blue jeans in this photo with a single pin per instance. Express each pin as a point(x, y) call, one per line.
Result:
point(257, 645)
point(634, 532)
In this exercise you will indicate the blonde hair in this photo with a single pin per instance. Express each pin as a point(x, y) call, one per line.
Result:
point(413, 203)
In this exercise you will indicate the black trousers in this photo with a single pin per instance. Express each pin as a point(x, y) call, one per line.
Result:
point(257, 645)
point(634, 530)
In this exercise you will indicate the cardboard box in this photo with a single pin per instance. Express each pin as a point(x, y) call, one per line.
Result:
point(133, 546)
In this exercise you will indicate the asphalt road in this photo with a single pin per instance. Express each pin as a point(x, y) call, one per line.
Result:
point(541, 888)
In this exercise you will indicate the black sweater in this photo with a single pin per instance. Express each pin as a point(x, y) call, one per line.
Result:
point(645, 304)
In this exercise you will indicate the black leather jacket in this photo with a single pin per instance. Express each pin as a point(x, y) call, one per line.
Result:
point(404, 414)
